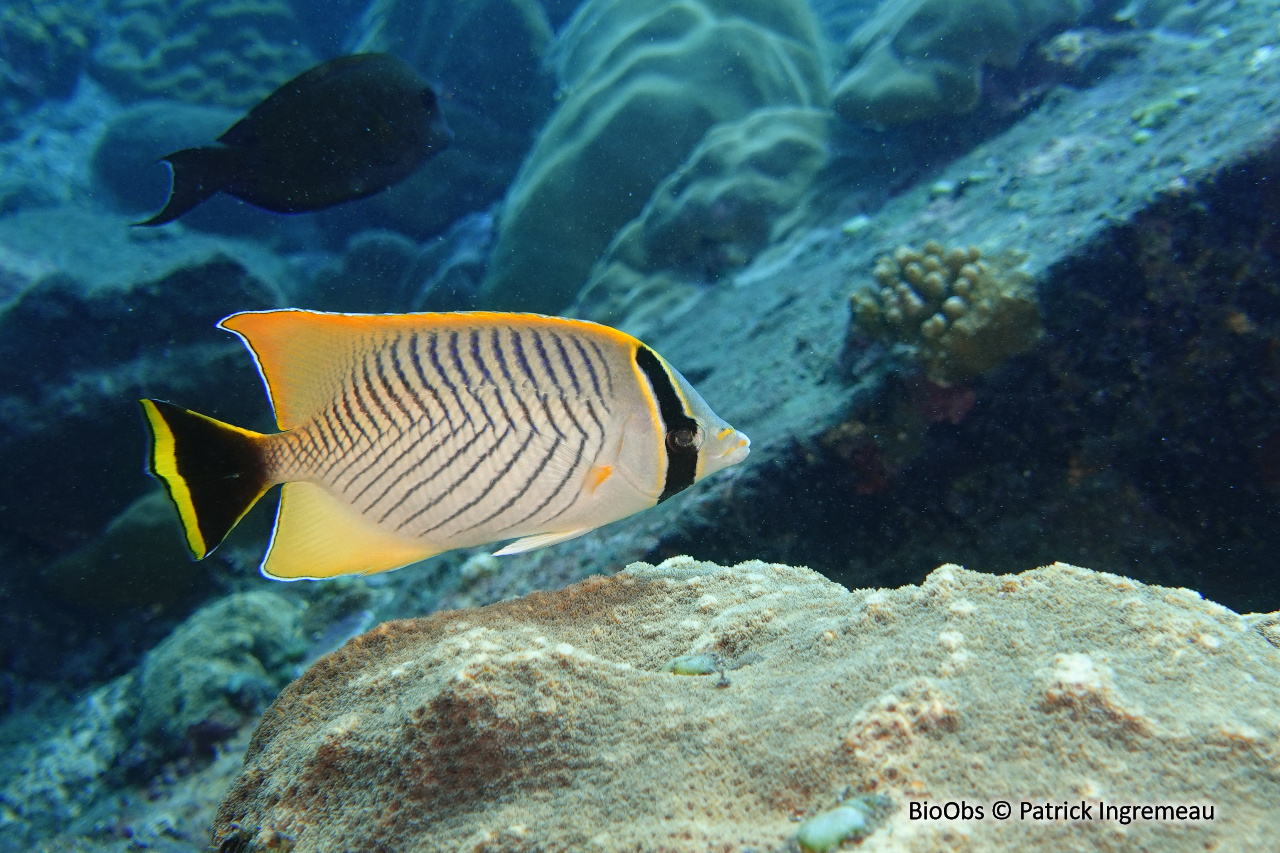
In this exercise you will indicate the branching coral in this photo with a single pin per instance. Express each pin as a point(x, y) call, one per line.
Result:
point(964, 314)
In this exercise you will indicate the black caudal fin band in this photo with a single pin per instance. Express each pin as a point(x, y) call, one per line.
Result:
point(213, 472)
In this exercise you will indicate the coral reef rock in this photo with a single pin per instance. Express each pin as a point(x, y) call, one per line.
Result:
point(554, 721)
point(709, 218)
point(964, 315)
point(660, 73)
point(217, 669)
point(126, 159)
point(43, 46)
point(139, 561)
point(230, 53)
point(133, 316)
point(920, 59)
point(489, 59)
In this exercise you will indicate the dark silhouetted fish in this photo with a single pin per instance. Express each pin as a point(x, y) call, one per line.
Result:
point(344, 130)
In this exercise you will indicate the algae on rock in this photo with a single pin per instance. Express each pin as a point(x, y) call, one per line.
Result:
point(640, 85)
point(708, 218)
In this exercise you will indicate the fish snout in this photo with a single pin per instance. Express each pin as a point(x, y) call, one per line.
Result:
point(736, 448)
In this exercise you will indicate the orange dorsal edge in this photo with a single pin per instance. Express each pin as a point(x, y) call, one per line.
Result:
point(303, 356)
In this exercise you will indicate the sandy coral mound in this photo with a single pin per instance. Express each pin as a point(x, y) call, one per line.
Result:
point(548, 723)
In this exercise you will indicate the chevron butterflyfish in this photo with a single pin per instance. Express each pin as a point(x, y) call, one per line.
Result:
point(404, 436)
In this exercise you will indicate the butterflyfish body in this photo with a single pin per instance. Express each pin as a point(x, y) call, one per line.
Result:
point(407, 435)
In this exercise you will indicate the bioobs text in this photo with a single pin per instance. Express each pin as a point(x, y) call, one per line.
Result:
point(950, 810)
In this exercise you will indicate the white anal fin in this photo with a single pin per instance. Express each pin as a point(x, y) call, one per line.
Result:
point(539, 540)
point(318, 536)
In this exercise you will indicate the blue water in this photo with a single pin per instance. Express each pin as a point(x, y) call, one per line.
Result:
point(1127, 423)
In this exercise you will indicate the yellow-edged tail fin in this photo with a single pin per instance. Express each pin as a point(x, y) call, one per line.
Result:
point(213, 472)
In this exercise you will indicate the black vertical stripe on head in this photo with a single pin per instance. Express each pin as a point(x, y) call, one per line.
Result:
point(682, 460)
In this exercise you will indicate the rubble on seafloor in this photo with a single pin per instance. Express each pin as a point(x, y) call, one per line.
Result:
point(688, 706)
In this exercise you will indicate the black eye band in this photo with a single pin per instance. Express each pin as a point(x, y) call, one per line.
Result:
point(682, 458)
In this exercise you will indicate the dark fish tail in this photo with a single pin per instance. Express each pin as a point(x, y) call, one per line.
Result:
point(198, 173)
point(213, 472)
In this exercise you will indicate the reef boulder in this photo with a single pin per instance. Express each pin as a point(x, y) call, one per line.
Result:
point(921, 59)
point(689, 706)
point(94, 315)
point(231, 53)
point(710, 217)
point(640, 85)
point(489, 59)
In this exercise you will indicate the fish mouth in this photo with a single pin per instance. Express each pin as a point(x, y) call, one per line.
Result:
point(739, 446)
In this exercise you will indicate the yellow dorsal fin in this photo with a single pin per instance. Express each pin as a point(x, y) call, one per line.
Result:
point(302, 354)
point(317, 536)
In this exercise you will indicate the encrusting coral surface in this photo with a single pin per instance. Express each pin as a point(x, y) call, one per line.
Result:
point(762, 707)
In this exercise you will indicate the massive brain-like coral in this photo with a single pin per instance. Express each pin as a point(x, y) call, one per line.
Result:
point(709, 217)
point(640, 84)
point(225, 52)
point(920, 59)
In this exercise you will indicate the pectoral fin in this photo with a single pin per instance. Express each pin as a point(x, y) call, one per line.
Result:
point(540, 540)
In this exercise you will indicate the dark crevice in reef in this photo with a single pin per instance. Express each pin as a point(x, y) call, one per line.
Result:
point(1142, 437)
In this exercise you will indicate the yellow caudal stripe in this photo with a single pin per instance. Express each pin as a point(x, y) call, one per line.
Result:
point(164, 464)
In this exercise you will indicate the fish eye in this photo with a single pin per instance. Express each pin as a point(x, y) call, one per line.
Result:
point(428, 97)
point(685, 438)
